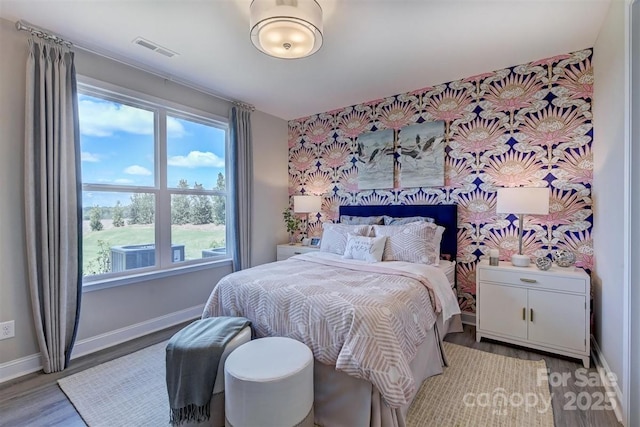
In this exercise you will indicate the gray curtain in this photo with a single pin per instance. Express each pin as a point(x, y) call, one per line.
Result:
point(52, 200)
point(242, 184)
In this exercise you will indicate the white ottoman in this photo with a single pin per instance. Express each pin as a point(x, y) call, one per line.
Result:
point(269, 383)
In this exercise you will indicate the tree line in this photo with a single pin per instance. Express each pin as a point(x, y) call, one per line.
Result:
point(185, 208)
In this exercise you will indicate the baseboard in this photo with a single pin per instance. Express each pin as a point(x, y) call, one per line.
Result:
point(111, 338)
point(605, 371)
point(28, 364)
point(468, 318)
point(19, 367)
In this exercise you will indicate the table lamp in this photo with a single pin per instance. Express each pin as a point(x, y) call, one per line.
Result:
point(522, 201)
point(307, 204)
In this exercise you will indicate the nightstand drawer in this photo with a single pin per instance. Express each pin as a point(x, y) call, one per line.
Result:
point(286, 251)
point(527, 277)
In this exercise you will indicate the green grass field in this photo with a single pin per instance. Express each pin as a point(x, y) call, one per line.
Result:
point(195, 238)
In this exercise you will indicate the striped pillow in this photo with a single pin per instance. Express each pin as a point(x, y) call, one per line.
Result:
point(417, 242)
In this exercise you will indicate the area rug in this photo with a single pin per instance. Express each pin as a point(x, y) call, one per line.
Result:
point(483, 389)
point(124, 392)
point(477, 389)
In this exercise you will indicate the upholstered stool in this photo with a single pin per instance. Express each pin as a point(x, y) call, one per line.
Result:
point(217, 398)
point(269, 383)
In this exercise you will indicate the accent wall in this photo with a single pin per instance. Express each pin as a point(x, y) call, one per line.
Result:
point(527, 125)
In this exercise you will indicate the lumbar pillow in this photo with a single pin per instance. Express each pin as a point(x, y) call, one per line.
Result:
point(364, 248)
point(334, 236)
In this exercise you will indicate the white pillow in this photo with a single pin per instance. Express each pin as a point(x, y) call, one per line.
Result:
point(367, 249)
point(334, 236)
point(416, 242)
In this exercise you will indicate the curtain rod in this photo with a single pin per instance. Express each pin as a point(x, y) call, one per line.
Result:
point(42, 34)
point(55, 38)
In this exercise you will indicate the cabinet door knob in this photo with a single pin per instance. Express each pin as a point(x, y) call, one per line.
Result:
point(522, 279)
point(524, 313)
point(531, 315)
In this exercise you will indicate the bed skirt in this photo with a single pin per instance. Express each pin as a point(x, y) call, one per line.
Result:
point(342, 400)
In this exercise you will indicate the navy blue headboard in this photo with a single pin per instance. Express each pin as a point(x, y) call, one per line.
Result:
point(444, 215)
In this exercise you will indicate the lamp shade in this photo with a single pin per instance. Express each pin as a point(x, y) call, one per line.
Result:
point(523, 200)
point(307, 204)
point(287, 29)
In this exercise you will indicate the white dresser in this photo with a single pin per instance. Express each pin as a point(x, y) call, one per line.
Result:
point(285, 251)
point(544, 310)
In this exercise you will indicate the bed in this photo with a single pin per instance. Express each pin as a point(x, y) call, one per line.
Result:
point(375, 329)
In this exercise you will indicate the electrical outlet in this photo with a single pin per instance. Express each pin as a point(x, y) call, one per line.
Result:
point(7, 330)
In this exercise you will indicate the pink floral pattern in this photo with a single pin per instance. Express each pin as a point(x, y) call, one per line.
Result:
point(302, 159)
point(578, 80)
point(396, 114)
point(335, 154)
point(354, 122)
point(512, 169)
point(528, 125)
point(449, 105)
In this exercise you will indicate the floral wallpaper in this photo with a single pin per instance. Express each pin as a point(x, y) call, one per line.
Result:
point(528, 125)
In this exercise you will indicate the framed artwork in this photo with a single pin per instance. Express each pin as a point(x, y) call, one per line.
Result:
point(421, 158)
point(315, 242)
point(375, 160)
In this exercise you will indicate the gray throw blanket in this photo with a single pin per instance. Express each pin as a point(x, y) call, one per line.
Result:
point(193, 355)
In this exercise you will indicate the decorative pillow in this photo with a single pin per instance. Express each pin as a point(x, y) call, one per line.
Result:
point(416, 242)
point(365, 248)
point(390, 220)
point(361, 220)
point(334, 236)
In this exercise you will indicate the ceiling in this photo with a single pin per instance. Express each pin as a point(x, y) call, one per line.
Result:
point(372, 48)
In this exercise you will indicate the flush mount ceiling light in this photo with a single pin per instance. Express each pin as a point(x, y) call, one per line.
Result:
point(287, 29)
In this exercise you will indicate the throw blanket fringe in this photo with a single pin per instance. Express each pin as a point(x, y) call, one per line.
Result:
point(190, 414)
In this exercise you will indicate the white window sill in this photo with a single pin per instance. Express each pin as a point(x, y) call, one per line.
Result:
point(153, 275)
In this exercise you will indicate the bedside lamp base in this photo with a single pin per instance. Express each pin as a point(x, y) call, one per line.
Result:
point(520, 260)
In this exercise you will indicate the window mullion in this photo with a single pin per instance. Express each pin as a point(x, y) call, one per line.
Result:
point(163, 216)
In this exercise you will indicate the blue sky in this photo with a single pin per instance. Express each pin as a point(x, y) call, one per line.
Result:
point(117, 145)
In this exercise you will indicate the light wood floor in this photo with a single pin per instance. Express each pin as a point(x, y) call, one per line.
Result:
point(36, 400)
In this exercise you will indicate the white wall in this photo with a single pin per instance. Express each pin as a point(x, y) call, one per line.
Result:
point(608, 186)
point(270, 186)
point(14, 294)
point(634, 297)
point(104, 311)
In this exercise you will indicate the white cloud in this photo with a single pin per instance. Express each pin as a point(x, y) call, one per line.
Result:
point(197, 159)
point(104, 118)
point(85, 156)
point(137, 170)
point(123, 181)
point(174, 128)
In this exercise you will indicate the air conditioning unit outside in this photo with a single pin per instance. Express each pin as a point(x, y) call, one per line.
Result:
point(128, 257)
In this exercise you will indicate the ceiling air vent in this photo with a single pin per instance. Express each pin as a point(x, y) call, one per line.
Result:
point(154, 47)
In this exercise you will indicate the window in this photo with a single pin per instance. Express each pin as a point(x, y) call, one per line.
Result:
point(154, 185)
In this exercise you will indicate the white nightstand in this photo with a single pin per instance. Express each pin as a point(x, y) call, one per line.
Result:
point(285, 251)
point(545, 310)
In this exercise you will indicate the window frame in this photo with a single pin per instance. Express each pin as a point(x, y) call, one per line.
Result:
point(161, 109)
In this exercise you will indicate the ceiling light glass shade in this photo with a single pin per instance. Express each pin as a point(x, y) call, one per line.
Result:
point(286, 29)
